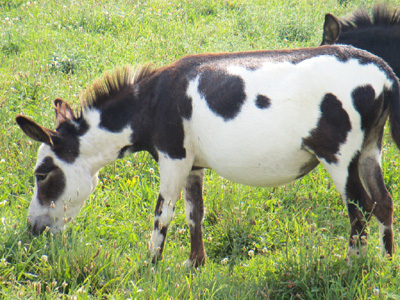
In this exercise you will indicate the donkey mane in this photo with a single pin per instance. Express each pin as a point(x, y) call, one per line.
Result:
point(112, 83)
point(381, 15)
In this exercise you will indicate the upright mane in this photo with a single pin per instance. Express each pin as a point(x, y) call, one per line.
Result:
point(112, 83)
point(381, 15)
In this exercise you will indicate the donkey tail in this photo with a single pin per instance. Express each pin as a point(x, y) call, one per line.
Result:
point(394, 116)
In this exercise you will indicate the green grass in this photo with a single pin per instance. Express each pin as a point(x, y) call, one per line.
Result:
point(278, 243)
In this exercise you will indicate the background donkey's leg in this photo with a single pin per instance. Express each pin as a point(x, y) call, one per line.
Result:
point(372, 178)
point(194, 207)
point(173, 174)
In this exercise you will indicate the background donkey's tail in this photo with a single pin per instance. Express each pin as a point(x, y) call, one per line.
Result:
point(394, 115)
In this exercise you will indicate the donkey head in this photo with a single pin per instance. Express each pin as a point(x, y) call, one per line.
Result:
point(63, 178)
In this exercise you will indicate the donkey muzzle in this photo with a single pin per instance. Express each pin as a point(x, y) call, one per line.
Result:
point(38, 224)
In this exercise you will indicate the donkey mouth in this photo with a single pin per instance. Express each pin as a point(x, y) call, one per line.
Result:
point(39, 224)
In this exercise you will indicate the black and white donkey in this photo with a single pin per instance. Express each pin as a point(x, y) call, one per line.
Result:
point(262, 118)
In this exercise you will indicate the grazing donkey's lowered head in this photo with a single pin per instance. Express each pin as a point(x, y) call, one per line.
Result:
point(70, 156)
point(262, 118)
point(63, 178)
point(379, 34)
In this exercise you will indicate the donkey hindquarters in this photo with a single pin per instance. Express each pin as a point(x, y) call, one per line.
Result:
point(378, 33)
point(361, 183)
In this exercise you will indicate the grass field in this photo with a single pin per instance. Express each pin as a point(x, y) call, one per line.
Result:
point(278, 243)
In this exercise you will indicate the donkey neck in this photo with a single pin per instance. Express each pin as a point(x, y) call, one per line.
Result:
point(99, 146)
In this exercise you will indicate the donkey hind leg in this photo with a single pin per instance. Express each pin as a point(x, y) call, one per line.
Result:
point(194, 208)
point(372, 178)
point(345, 175)
point(173, 174)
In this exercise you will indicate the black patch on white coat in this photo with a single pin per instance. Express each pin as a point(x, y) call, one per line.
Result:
point(332, 129)
point(263, 102)
point(163, 231)
point(66, 141)
point(155, 113)
point(160, 203)
point(223, 92)
point(369, 107)
point(50, 181)
point(117, 114)
point(159, 251)
point(168, 106)
point(185, 102)
point(156, 225)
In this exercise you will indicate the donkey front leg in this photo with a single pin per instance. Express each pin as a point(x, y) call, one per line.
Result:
point(173, 173)
point(194, 208)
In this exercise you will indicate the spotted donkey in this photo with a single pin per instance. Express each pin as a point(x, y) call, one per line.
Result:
point(262, 118)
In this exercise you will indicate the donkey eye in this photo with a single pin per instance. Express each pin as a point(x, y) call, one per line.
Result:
point(41, 177)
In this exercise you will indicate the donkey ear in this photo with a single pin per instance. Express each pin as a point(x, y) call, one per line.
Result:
point(34, 130)
point(332, 30)
point(64, 112)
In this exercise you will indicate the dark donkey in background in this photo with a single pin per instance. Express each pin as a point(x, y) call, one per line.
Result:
point(262, 118)
point(379, 34)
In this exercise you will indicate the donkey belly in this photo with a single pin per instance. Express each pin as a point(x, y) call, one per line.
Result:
point(262, 168)
point(258, 147)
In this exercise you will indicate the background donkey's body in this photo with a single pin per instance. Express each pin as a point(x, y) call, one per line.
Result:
point(260, 118)
point(378, 34)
